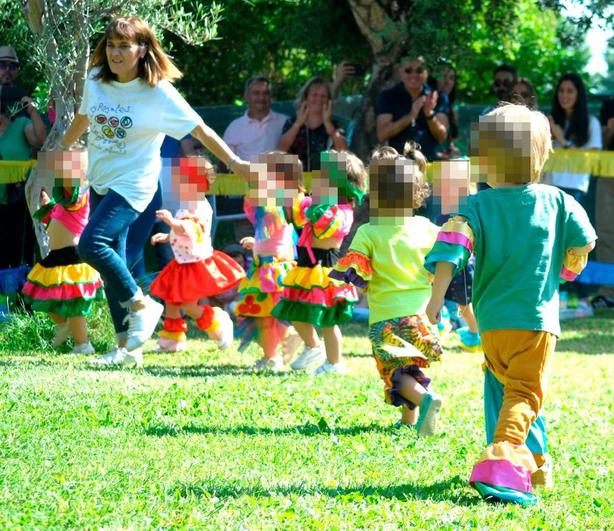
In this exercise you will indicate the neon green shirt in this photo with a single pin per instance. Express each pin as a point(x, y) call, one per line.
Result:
point(399, 285)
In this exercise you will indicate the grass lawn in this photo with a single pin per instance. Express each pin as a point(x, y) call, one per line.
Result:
point(197, 440)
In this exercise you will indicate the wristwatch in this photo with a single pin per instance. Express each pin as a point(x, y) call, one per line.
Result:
point(430, 116)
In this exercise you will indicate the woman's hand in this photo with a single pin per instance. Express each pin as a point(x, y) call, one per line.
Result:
point(327, 113)
point(557, 131)
point(160, 237)
point(248, 242)
point(301, 115)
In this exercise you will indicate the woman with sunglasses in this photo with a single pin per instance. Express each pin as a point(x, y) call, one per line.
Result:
point(412, 111)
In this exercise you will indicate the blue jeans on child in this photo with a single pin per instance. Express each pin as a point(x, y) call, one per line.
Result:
point(103, 246)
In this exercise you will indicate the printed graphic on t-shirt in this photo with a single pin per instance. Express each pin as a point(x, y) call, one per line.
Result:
point(110, 126)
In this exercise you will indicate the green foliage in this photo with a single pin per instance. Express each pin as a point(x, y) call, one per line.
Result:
point(196, 440)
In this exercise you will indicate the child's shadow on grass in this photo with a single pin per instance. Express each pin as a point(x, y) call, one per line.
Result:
point(309, 429)
point(448, 490)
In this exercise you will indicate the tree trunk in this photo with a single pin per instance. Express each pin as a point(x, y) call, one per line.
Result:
point(383, 23)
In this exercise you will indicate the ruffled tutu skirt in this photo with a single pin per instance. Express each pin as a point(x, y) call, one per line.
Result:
point(311, 296)
point(63, 284)
point(261, 289)
point(179, 283)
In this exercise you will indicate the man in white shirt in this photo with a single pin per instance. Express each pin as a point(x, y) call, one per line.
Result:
point(259, 129)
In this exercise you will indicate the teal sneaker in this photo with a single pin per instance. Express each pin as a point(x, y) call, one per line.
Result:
point(470, 341)
point(427, 419)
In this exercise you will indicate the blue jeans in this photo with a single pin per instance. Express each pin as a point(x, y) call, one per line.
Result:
point(138, 237)
point(103, 246)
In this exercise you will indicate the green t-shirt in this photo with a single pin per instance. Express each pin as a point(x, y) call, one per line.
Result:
point(14, 146)
point(521, 235)
point(400, 285)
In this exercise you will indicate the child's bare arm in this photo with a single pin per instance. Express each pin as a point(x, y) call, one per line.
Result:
point(441, 282)
point(176, 224)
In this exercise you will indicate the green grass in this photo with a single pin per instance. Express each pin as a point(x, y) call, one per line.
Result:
point(197, 440)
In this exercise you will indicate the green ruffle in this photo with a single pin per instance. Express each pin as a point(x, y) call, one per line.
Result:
point(319, 316)
point(79, 307)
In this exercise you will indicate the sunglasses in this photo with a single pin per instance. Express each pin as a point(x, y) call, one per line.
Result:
point(410, 70)
point(5, 65)
point(499, 83)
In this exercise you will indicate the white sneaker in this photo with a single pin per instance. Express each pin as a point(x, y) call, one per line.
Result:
point(330, 368)
point(308, 357)
point(141, 324)
point(275, 364)
point(84, 348)
point(583, 310)
point(62, 331)
point(226, 329)
point(121, 357)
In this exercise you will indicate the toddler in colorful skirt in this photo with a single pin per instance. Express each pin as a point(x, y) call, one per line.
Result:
point(62, 284)
point(524, 236)
point(385, 258)
point(275, 183)
point(311, 299)
point(197, 271)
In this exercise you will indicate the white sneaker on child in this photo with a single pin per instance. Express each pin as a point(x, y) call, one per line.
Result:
point(275, 364)
point(142, 323)
point(120, 357)
point(308, 357)
point(62, 332)
point(84, 348)
point(330, 368)
point(226, 330)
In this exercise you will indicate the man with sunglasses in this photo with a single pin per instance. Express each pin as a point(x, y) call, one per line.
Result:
point(9, 66)
point(411, 110)
point(502, 85)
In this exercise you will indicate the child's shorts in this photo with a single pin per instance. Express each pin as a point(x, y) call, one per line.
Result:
point(461, 287)
point(413, 329)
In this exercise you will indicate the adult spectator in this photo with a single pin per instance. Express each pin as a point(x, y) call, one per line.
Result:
point(523, 93)
point(505, 77)
point(411, 111)
point(9, 66)
point(573, 127)
point(445, 83)
point(605, 207)
point(19, 135)
point(260, 128)
point(313, 129)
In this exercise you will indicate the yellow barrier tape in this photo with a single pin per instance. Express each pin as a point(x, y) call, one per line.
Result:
point(12, 171)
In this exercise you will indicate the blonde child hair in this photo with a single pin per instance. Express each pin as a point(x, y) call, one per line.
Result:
point(512, 144)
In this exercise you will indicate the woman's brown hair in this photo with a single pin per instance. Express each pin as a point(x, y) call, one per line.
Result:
point(153, 67)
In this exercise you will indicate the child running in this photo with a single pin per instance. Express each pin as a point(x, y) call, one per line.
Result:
point(275, 182)
point(62, 284)
point(197, 271)
point(524, 236)
point(386, 257)
point(311, 299)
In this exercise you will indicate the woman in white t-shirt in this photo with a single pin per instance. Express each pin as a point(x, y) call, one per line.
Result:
point(129, 106)
point(573, 127)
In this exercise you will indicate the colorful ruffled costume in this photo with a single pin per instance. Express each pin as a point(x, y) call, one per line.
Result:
point(262, 287)
point(197, 271)
point(386, 258)
point(309, 294)
point(62, 283)
point(521, 237)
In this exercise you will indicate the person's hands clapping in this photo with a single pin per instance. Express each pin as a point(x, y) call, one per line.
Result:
point(416, 107)
point(301, 115)
point(430, 102)
point(557, 131)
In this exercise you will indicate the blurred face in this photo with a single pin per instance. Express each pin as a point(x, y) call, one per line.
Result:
point(123, 57)
point(567, 95)
point(447, 80)
point(521, 95)
point(317, 97)
point(451, 185)
point(413, 74)
point(8, 72)
point(258, 98)
point(502, 84)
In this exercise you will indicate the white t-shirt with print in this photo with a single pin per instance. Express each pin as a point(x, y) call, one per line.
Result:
point(127, 123)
